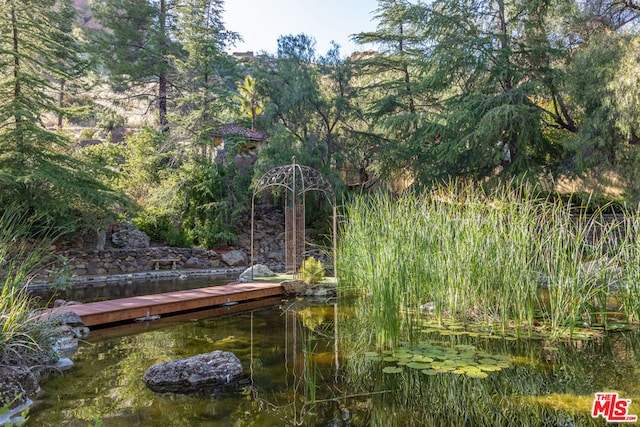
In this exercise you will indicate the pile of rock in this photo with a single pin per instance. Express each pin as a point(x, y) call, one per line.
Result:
point(20, 384)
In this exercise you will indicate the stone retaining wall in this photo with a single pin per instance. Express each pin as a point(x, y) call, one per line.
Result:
point(269, 249)
point(123, 261)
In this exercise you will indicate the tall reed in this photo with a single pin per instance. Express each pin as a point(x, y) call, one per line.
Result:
point(25, 337)
point(629, 285)
point(471, 256)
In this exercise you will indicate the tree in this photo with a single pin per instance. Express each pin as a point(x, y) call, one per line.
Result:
point(250, 102)
point(206, 72)
point(391, 96)
point(68, 54)
point(137, 46)
point(35, 170)
point(307, 96)
point(460, 84)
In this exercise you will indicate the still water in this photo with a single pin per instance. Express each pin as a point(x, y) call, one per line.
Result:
point(90, 292)
point(315, 365)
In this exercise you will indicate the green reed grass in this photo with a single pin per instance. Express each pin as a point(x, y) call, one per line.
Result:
point(25, 337)
point(475, 257)
point(629, 285)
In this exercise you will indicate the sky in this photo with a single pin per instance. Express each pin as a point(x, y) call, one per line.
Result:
point(261, 22)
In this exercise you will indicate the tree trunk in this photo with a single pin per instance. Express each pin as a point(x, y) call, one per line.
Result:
point(61, 102)
point(16, 58)
point(162, 78)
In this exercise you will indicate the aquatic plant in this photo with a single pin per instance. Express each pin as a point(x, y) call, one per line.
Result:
point(463, 253)
point(628, 287)
point(26, 337)
point(528, 381)
point(311, 271)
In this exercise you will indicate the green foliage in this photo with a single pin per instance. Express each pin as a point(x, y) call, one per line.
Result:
point(97, 423)
point(109, 119)
point(307, 96)
point(36, 169)
point(214, 197)
point(311, 271)
point(162, 225)
point(481, 257)
point(250, 102)
point(147, 158)
point(106, 155)
point(26, 337)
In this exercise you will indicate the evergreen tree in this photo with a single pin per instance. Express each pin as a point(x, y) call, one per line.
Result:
point(392, 97)
point(138, 47)
point(473, 72)
point(35, 168)
point(307, 96)
point(207, 74)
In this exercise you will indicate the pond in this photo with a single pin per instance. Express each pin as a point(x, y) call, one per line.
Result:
point(100, 291)
point(316, 365)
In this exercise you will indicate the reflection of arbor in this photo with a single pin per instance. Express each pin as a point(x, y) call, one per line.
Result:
point(311, 334)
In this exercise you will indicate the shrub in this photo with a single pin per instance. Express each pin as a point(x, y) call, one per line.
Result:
point(311, 271)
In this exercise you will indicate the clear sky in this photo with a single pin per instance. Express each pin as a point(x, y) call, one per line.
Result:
point(261, 22)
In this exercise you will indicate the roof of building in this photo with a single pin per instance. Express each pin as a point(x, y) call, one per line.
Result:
point(234, 129)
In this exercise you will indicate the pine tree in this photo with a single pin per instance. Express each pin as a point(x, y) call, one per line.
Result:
point(392, 97)
point(207, 74)
point(35, 168)
point(137, 46)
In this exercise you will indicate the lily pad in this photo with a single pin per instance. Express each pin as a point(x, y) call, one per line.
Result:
point(429, 372)
point(489, 368)
point(415, 365)
point(479, 374)
point(392, 370)
point(422, 359)
point(390, 359)
point(466, 347)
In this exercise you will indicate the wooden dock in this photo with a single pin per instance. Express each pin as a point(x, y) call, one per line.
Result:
point(118, 310)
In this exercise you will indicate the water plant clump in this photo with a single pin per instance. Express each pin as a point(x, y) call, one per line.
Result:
point(432, 359)
point(26, 338)
point(508, 257)
point(312, 271)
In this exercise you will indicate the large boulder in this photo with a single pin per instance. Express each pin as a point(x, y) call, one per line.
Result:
point(233, 258)
point(209, 372)
point(294, 287)
point(258, 270)
point(127, 236)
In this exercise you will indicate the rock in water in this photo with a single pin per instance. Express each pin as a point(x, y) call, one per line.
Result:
point(207, 372)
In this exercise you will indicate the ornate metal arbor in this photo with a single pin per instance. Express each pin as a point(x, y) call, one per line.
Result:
point(297, 180)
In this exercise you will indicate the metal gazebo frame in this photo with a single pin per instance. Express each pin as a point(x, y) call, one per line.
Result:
point(297, 180)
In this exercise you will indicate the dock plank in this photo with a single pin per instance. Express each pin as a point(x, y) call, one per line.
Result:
point(118, 310)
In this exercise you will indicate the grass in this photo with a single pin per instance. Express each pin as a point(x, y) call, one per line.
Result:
point(281, 277)
point(483, 257)
point(25, 337)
